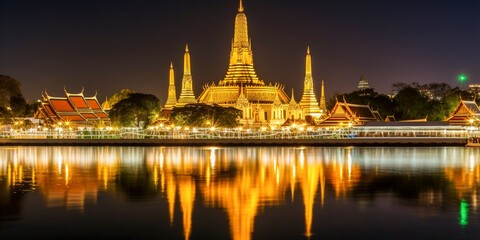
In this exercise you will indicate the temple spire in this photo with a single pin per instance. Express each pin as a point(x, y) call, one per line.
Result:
point(308, 60)
point(309, 101)
point(186, 96)
point(323, 105)
point(240, 8)
point(292, 100)
point(172, 95)
point(241, 67)
point(186, 61)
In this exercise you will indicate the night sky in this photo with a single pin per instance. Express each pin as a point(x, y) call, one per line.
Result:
point(111, 45)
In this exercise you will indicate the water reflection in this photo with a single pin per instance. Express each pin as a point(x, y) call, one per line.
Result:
point(243, 182)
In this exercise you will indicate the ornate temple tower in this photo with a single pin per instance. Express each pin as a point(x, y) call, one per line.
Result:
point(186, 96)
point(323, 105)
point(262, 104)
point(172, 95)
point(240, 69)
point(309, 101)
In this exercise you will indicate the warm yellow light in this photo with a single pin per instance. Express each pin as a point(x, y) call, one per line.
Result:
point(471, 120)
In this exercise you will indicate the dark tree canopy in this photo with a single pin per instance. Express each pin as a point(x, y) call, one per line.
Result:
point(9, 87)
point(410, 104)
point(434, 101)
point(117, 97)
point(12, 102)
point(203, 115)
point(137, 110)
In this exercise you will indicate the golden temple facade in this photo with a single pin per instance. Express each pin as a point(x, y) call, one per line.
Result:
point(262, 104)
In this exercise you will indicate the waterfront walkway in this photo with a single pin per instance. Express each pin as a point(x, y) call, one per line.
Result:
point(384, 141)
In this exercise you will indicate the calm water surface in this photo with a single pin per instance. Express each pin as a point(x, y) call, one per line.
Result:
point(239, 193)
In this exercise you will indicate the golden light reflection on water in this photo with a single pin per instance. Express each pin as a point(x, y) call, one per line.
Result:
point(241, 181)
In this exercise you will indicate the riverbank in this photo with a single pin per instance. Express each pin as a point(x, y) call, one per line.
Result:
point(239, 142)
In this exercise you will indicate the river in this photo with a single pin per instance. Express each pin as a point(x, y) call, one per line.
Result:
point(240, 193)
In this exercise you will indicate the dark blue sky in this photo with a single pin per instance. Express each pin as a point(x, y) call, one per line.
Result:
point(111, 45)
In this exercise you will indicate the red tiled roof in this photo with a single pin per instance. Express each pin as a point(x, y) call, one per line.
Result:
point(72, 107)
point(49, 109)
point(89, 115)
point(93, 104)
point(102, 115)
point(79, 102)
point(73, 118)
point(62, 105)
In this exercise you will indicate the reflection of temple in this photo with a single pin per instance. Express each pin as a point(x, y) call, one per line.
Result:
point(66, 177)
point(258, 180)
point(261, 103)
point(243, 182)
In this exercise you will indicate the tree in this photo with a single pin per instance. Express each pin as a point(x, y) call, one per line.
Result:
point(5, 116)
point(8, 87)
point(117, 97)
point(203, 115)
point(19, 106)
point(137, 110)
point(410, 104)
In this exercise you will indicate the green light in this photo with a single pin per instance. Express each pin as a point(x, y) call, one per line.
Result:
point(463, 220)
point(462, 77)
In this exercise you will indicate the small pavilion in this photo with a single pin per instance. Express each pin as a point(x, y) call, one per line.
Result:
point(344, 114)
point(73, 107)
point(466, 113)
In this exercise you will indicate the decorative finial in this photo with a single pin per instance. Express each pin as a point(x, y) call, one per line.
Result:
point(171, 65)
point(186, 48)
point(308, 49)
point(240, 8)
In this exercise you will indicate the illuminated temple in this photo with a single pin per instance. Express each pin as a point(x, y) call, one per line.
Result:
point(73, 107)
point(261, 103)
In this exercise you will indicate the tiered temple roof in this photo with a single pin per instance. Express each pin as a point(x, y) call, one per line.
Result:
point(309, 102)
point(363, 83)
point(344, 113)
point(240, 69)
point(186, 96)
point(70, 108)
point(465, 111)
